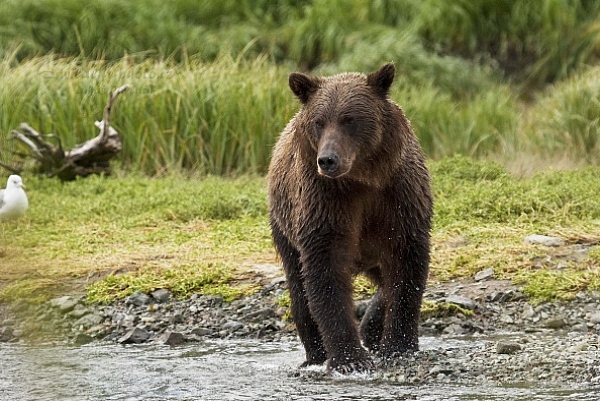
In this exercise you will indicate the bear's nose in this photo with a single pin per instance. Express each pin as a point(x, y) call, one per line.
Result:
point(328, 162)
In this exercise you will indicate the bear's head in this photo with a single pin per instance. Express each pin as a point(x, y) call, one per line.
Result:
point(344, 117)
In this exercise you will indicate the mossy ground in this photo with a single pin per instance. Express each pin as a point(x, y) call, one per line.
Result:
point(111, 236)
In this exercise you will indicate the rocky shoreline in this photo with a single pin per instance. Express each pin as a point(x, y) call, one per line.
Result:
point(489, 331)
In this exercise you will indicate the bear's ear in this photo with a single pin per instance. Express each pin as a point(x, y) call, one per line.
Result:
point(382, 79)
point(303, 86)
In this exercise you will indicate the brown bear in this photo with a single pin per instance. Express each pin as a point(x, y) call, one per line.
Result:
point(349, 193)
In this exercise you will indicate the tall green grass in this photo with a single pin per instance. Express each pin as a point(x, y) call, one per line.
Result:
point(219, 118)
point(534, 41)
point(224, 117)
point(566, 119)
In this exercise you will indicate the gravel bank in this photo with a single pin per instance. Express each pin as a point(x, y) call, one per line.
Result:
point(492, 335)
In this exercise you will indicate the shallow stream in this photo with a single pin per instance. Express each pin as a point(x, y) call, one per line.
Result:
point(218, 370)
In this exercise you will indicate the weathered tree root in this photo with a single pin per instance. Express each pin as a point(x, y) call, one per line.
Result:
point(91, 157)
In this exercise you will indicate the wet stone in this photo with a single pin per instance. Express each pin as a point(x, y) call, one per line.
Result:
point(6, 334)
point(134, 336)
point(507, 347)
point(232, 325)
point(172, 338)
point(82, 339)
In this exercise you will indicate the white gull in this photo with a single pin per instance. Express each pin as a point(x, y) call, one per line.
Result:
point(13, 201)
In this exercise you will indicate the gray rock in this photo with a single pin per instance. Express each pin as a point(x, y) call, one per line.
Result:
point(528, 312)
point(172, 338)
point(64, 304)
point(544, 240)
point(232, 326)
point(259, 315)
point(82, 339)
point(138, 299)
point(6, 334)
point(555, 323)
point(580, 327)
point(455, 329)
point(161, 295)
point(78, 312)
point(484, 274)
point(89, 320)
point(176, 318)
point(201, 331)
point(507, 347)
point(595, 318)
point(461, 301)
point(437, 369)
point(134, 336)
point(278, 280)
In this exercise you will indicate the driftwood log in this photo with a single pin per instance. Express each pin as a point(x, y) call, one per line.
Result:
point(91, 157)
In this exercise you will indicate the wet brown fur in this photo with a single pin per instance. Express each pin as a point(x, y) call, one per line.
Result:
point(349, 192)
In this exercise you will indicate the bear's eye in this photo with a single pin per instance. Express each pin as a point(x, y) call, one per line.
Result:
point(348, 121)
point(319, 124)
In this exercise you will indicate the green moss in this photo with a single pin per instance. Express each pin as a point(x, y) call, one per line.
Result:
point(442, 309)
point(549, 285)
point(183, 281)
point(594, 254)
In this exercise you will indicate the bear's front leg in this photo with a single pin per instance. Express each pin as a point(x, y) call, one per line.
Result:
point(328, 285)
point(306, 326)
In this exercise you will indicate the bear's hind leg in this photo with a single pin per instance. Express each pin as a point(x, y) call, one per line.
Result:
point(371, 325)
point(404, 290)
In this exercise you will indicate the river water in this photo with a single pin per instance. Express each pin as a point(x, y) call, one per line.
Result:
point(219, 370)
